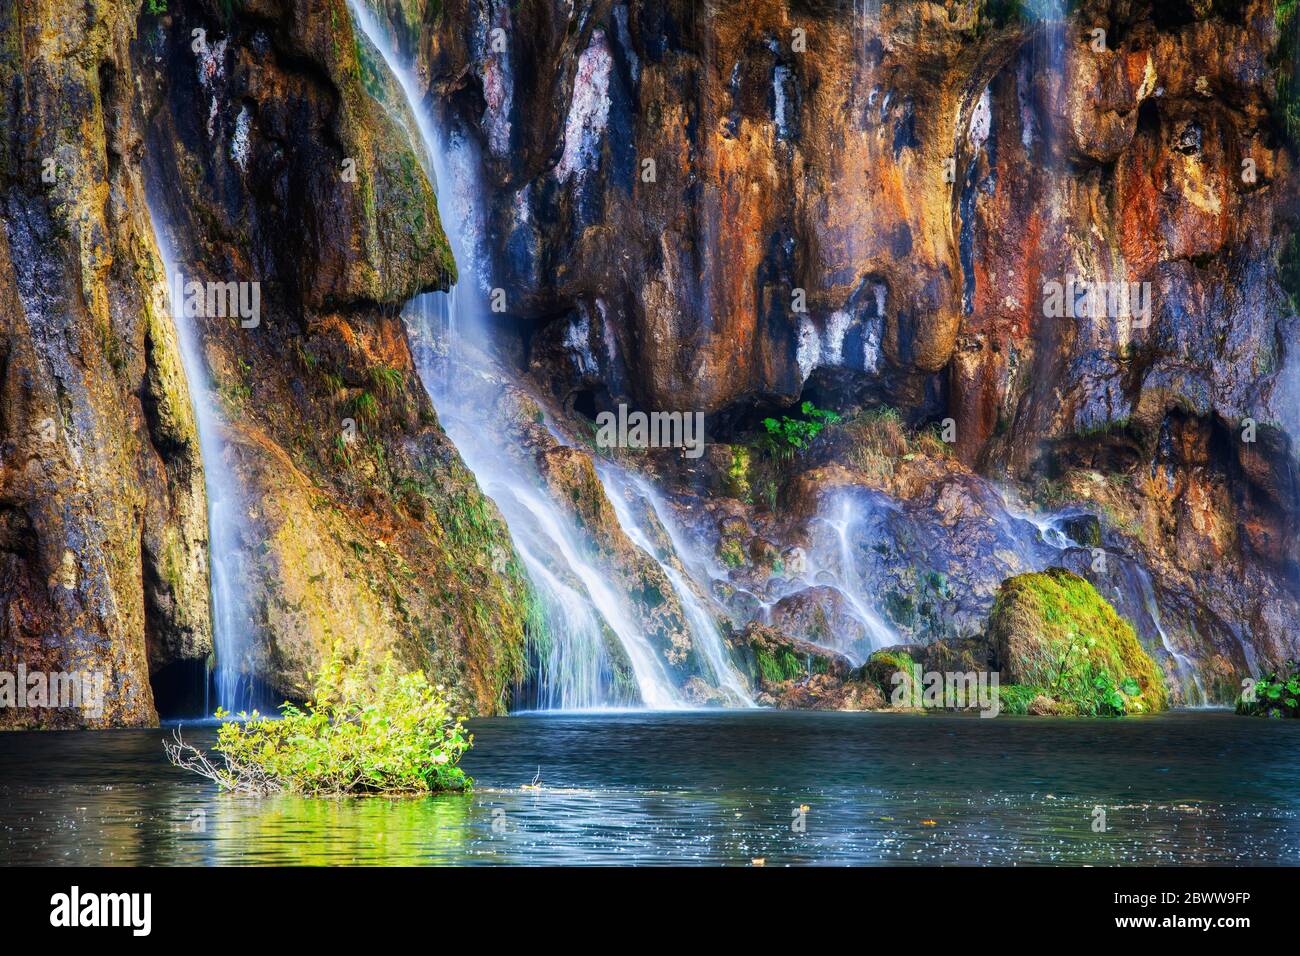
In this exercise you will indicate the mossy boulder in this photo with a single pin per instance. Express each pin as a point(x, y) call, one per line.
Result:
point(775, 658)
point(882, 665)
point(1053, 632)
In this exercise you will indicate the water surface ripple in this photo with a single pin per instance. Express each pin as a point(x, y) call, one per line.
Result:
point(704, 788)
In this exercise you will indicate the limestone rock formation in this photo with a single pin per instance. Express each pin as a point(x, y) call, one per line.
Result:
point(260, 134)
point(103, 525)
point(731, 206)
point(288, 158)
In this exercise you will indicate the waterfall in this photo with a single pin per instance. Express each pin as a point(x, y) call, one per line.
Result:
point(866, 15)
point(235, 689)
point(588, 622)
point(1182, 663)
point(841, 517)
point(704, 627)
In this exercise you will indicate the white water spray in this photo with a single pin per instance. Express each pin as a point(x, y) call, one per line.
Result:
point(842, 521)
point(1182, 663)
point(704, 627)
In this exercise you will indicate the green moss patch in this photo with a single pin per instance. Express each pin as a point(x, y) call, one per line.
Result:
point(1053, 632)
point(881, 667)
point(772, 658)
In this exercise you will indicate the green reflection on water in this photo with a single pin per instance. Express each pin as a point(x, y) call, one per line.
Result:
point(323, 832)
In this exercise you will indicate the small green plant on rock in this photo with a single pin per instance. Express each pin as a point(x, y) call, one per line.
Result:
point(1087, 688)
point(387, 381)
point(738, 485)
point(366, 730)
point(787, 436)
point(365, 408)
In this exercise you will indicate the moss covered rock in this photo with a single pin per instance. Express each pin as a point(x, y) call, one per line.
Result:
point(1053, 632)
point(794, 675)
point(882, 665)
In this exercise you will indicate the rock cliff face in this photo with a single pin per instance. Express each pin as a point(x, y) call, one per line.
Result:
point(886, 196)
point(103, 564)
point(726, 207)
point(270, 163)
point(282, 150)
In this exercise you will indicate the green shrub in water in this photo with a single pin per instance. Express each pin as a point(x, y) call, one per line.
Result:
point(365, 731)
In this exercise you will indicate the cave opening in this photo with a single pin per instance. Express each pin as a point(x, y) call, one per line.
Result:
point(181, 689)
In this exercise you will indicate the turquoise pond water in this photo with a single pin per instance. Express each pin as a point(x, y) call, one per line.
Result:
point(1198, 787)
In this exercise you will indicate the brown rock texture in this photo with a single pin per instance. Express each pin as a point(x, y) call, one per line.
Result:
point(275, 153)
point(103, 528)
point(715, 206)
point(283, 153)
point(915, 180)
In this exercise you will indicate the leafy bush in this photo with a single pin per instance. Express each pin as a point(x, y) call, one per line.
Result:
point(789, 435)
point(1275, 694)
point(366, 731)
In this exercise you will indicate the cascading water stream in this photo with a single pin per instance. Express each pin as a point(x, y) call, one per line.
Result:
point(230, 620)
point(1182, 662)
point(580, 605)
point(866, 14)
point(703, 625)
point(841, 522)
point(656, 690)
